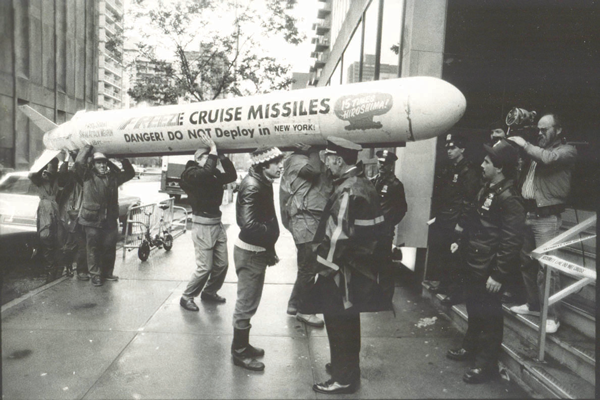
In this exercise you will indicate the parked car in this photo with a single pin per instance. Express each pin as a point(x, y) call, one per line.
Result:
point(139, 170)
point(18, 215)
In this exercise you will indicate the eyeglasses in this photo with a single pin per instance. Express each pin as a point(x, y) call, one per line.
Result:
point(451, 147)
point(544, 130)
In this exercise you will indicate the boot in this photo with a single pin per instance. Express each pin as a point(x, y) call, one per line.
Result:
point(51, 274)
point(243, 353)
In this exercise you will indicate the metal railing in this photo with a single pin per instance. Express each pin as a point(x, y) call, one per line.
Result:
point(152, 219)
point(587, 275)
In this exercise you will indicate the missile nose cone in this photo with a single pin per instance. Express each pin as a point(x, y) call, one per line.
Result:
point(434, 107)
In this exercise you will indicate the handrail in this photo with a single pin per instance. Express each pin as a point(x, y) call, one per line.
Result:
point(550, 261)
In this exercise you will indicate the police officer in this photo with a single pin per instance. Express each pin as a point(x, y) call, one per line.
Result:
point(456, 188)
point(492, 239)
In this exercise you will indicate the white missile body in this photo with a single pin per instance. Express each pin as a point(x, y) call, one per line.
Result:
point(373, 114)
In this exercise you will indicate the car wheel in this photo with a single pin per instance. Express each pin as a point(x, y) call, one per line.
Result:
point(144, 251)
point(168, 245)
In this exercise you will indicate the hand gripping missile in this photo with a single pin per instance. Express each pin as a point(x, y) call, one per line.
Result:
point(373, 114)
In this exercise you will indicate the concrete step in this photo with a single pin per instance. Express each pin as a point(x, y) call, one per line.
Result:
point(569, 367)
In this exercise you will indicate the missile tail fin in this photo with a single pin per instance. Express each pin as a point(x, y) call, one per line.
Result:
point(38, 119)
point(44, 159)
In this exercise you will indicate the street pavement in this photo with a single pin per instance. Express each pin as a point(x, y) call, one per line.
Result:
point(131, 340)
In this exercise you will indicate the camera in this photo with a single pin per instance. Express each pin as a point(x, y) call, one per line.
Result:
point(521, 122)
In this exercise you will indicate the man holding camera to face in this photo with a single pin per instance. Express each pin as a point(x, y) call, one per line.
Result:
point(545, 188)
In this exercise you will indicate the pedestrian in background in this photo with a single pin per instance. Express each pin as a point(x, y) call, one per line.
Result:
point(74, 246)
point(349, 269)
point(254, 249)
point(546, 187)
point(392, 199)
point(305, 187)
point(456, 188)
point(99, 211)
point(492, 239)
point(203, 183)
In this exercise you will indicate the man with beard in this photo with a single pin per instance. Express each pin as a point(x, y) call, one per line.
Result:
point(546, 186)
point(99, 211)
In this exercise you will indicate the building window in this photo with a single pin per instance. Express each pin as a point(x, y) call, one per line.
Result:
point(390, 38)
point(351, 57)
point(370, 21)
point(336, 75)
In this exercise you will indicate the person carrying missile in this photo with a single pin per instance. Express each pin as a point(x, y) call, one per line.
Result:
point(392, 199)
point(348, 280)
point(492, 241)
point(456, 187)
point(73, 248)
point(254, 249)
point(48, 182)
point(546, 186)
point(305, 187)
point(203, 183)
point(99, 210)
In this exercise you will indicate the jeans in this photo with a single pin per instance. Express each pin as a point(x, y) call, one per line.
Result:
point(210, 245)
point(537, 232)
point(250, 267)
point(101, 247)
point(304, 278)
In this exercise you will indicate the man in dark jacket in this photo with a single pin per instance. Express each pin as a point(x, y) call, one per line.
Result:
point(254, 249)
point(392, 199)
point(349, 269)
point(99, 211)
point(456, 188)
point(203, 183)
point(47, 180)
point(492, 241)
point(305, 187)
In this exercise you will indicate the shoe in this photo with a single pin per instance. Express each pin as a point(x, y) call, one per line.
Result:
point(459, 354)
point(479, 375)
point(310, 319)
point(97, 281)
point(507, 297)
point(292, 310)
point(450, 300)
point(241, 358)
point(214, 298)
point(69, 271)
point(332, 387)
point(524, 310)
point(252, 351)
point(111, 277)
point(83, 276)
point(552, 326)
point(328, 368)
point(188, 304)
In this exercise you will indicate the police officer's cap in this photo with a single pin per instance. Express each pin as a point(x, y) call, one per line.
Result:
point(386, 156)
point(502, 153)
point(342, 147)
point(455, 140)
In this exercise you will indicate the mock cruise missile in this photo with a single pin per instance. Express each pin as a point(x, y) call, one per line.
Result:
point(373, 114)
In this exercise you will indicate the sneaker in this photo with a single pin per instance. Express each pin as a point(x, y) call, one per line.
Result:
point(552, 326)
point(97, 281)
point(83, 276)
point(112, 277)
point(310, 319)
point(524, 309)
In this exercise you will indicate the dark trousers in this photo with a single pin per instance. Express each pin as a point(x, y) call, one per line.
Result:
point(443, 265)
point(304, 278)
point(74, 249)
point(486, 323)
point(101, 247)
point(343, 331)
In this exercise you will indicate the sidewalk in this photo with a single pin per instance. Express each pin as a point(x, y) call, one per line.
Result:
point(131, 340)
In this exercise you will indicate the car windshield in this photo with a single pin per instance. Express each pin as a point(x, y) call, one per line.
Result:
point(17, 185)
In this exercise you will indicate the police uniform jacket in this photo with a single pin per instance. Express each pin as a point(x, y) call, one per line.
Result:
point(493, 233)
point(392, 199)
point(100, 204)
point(255, 211)
point(204, 185)
point(458, 186)
point(345, 242)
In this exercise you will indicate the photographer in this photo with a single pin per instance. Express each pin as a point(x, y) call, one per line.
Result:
point(546, 186)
